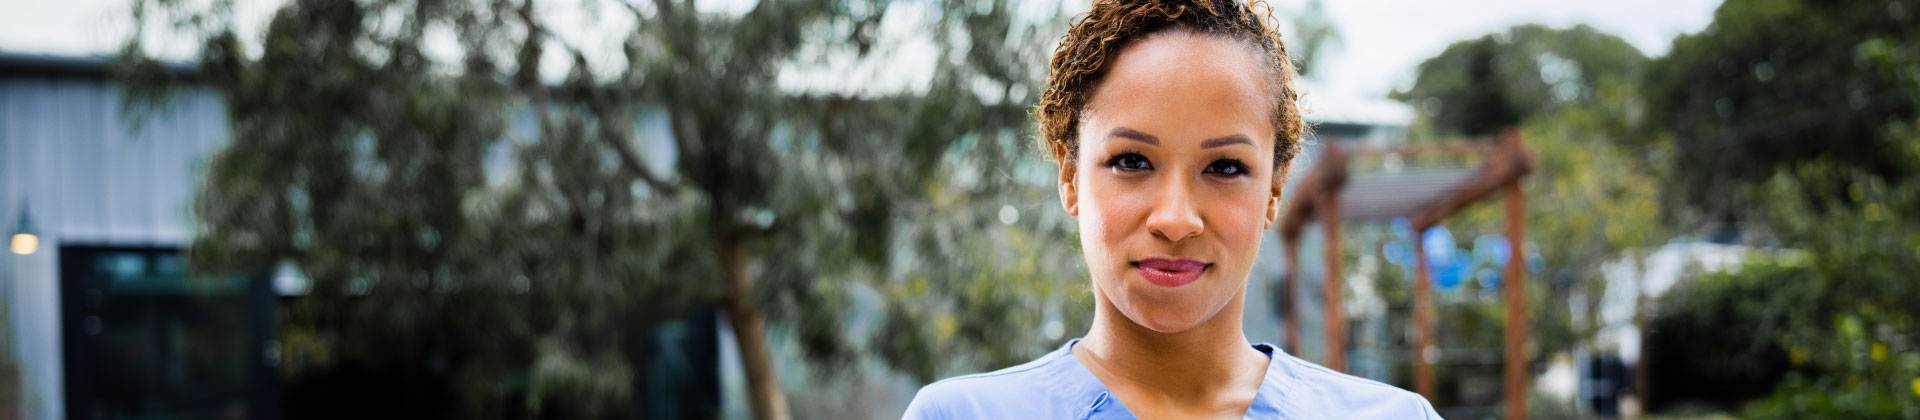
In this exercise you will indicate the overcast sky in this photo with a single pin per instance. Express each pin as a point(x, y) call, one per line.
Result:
point(1382, 40)
point(1385, 39)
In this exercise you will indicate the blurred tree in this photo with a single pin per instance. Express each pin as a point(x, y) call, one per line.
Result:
point(1315, 34)
point(1571, 93)
point(1590, 203)
point(1778, 82)
point(1849, 313)
point(1592, 200)
point(1481, 86)
point(1826, 329)
point(363, 159)
point(1832, 315)
point(1714, 339)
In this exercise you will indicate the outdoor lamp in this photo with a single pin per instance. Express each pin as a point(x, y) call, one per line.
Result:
point(24, 240)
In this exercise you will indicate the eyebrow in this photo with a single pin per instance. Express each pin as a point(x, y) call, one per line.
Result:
point(1136, 135)
point(1226, 141)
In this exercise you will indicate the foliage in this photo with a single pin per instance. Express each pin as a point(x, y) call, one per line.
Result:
point(1313, 35)
point(1852, 334)
point(470, 223)
point(1592, 197)
point(1797, 400)
point(1832, 324)
point(1775, 83)
point(1714, 338)
point(1831, 173)
point(1591, 200)
point(1481, 86)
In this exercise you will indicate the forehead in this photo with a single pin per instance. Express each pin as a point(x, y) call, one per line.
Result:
point(1184, 85)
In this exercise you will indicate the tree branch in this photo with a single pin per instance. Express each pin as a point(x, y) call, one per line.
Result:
point(609, 134)
point(681, 133)
point(628, 157)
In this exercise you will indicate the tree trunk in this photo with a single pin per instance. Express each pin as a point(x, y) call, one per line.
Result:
point(750, 330)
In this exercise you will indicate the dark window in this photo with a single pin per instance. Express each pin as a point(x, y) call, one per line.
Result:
point(143, 340)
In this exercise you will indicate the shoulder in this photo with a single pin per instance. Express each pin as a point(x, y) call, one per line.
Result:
point(1017, 391)
point(1356, 397)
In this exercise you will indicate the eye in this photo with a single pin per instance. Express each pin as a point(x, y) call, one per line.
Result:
point(1227, 168)
point(1129, 162)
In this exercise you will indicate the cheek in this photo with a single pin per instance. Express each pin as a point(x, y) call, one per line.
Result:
point(1110, 212)
point(1119, 213)
point(1238, 218)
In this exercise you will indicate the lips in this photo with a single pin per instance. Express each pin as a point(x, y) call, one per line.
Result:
point(1170, 273)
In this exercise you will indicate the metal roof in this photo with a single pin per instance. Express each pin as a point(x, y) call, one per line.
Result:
point(1382, 196)
point(1423, 194)
point(89, 66)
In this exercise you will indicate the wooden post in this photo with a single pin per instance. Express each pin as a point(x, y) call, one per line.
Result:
point(1515, 285)
point(1642, 388)
point(750, 331)
point(1293, 294)
point(1336, 319)
point(1422, 318)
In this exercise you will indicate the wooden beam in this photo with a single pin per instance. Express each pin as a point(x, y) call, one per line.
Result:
point(1319, 195)
point(1422, 318)
point(1336, 316)
point(1507, 164)
point(1515, 285)
point(1329, 174)
point(1292, 288)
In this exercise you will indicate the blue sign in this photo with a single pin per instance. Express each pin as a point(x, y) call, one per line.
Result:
point(1439, 245)
point(1492, 249)
point(1446, 275)
point(1401, 228)
point(1397, 253)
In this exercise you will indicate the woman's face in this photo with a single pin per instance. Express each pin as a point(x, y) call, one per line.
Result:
point(1174, 181)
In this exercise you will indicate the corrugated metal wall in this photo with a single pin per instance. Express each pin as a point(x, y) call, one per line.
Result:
point(72, 157)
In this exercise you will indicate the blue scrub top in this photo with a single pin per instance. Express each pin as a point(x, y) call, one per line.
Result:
point(1057, 386)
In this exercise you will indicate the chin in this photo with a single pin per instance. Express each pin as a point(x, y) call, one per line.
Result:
point(1166, 310)
point(1166, 324)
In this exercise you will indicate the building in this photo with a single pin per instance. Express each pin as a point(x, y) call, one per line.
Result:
point(103, 318)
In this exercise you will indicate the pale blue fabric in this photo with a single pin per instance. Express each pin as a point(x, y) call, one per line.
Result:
point(1057, 386)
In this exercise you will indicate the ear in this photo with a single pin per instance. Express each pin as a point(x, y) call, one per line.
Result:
point(1273, 200)
point(1069, 189)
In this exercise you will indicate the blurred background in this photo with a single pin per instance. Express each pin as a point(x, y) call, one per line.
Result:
point(729, 209)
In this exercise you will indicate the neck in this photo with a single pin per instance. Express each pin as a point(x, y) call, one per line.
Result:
point(1191, 363)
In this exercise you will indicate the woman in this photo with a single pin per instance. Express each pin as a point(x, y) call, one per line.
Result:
point(1173, 123)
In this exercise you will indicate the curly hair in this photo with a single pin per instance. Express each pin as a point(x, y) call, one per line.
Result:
point(1095, 39)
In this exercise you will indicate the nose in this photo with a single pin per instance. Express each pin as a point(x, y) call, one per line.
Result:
point(1174, 215)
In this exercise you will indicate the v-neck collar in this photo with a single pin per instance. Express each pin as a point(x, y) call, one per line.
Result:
point(1094, 401)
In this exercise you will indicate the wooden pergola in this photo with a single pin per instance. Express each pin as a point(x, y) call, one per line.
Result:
point(1425, 198)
